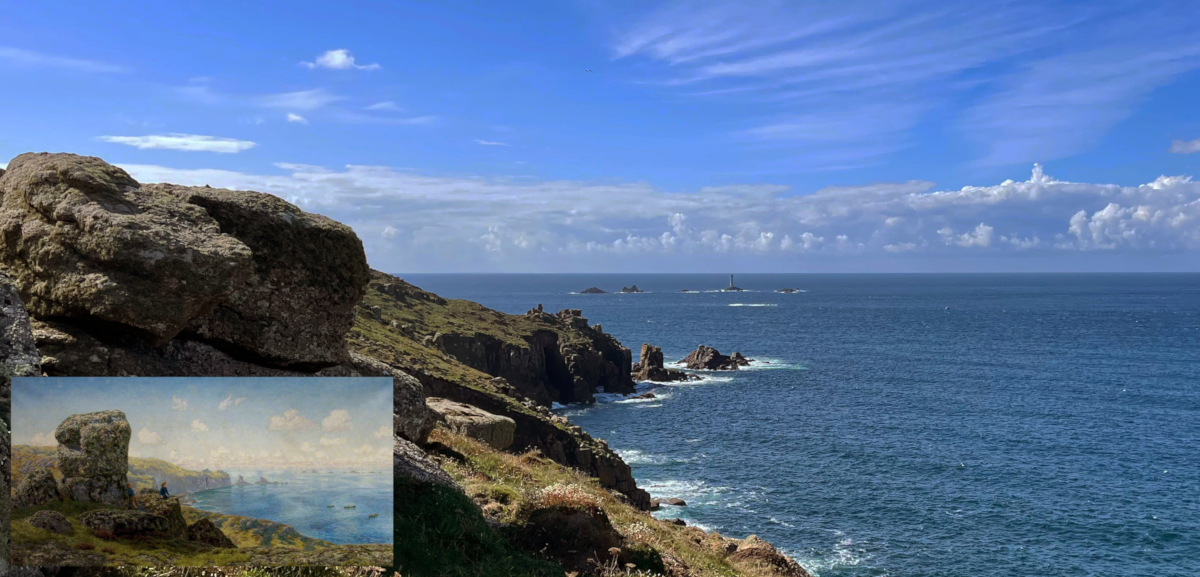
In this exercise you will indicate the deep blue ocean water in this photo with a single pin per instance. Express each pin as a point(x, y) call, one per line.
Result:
point(302, 503)
point(967, 425)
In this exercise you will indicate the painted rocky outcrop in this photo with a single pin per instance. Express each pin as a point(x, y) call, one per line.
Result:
point(650, 367)
point(204, 531)
point(93, 456)
point(497, 431)
point(37, 488)
point(90, 246)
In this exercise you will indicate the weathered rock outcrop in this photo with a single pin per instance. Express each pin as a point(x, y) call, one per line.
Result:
point(93, 456)
point(411, 464)
point(319, 264)
point(708, 358)
point(204, 531)
point(631, 289)
point(150, 501)
point(546, 369)
point(754, 553)
point(592, 291)
point(83, 240)
point(18, 355)
point(496, 431)
point(91, 247)
point(50, 521)
point(574, 449)
point(650, 367)
point(125, 521)
point(37, 488)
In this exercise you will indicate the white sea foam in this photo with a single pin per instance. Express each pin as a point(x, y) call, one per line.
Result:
point(636, 457)
point(753, 305)
point(557, 406)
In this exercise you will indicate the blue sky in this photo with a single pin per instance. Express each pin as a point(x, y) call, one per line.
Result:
point(707, 136)
point(222, 423)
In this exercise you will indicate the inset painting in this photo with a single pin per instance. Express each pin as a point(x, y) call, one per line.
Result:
point(202, 471)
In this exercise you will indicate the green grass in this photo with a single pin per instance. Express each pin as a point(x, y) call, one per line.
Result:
point(440, 532)
point(123, 551)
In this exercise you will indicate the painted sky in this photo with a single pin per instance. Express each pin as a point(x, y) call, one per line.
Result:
point(222, 423)
point(659, 136)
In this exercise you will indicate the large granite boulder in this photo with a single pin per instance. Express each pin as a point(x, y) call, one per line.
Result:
point(204, 531)
point(51, 521)
point(495, 430)
point(93, 456)
point(88, 245)
point(125, 521)
point(37, 488)
point(83, 240)
point(318, 263)
point(710, 359)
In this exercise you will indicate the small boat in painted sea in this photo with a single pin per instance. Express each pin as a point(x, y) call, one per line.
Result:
point(349, 506)
point(372, 515)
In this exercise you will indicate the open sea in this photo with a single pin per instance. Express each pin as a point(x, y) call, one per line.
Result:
point(967, 425)
point(302, 503)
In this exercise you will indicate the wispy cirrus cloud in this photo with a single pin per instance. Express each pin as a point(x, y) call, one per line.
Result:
point(490, 142)
point(185, 142)
point(843, 84)
point(385, 105)
point(1185, 146)
point(293, 117)
point(465, 223)
point(300, 99)
point(22, 58)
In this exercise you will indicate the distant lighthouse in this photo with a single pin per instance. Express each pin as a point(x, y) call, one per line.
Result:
point(731, 287)
point(730, 281)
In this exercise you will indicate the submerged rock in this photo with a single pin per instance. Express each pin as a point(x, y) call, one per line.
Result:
point(495, 430)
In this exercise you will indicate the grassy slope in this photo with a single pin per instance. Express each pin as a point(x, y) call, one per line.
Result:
point(251, 532)
point(119, 551)
point(508, 486)
point(139, 467)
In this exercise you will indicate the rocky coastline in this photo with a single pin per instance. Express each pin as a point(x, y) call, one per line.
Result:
point(121, 278)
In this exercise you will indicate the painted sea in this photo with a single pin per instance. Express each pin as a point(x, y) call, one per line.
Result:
point(966, 425)
point(303, 503)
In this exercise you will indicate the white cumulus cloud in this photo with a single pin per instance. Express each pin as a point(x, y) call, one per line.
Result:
point(147, 437)
point(230, 401)
point(291, 420)
point(384, 432)
point(338, 420)
point(293, 117)
point(338, 59)
point(178, 404)
point(332, 441)
point(199, 426)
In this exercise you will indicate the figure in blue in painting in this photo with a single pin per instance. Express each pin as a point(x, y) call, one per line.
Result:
point(163, 491)
point(132, 500)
